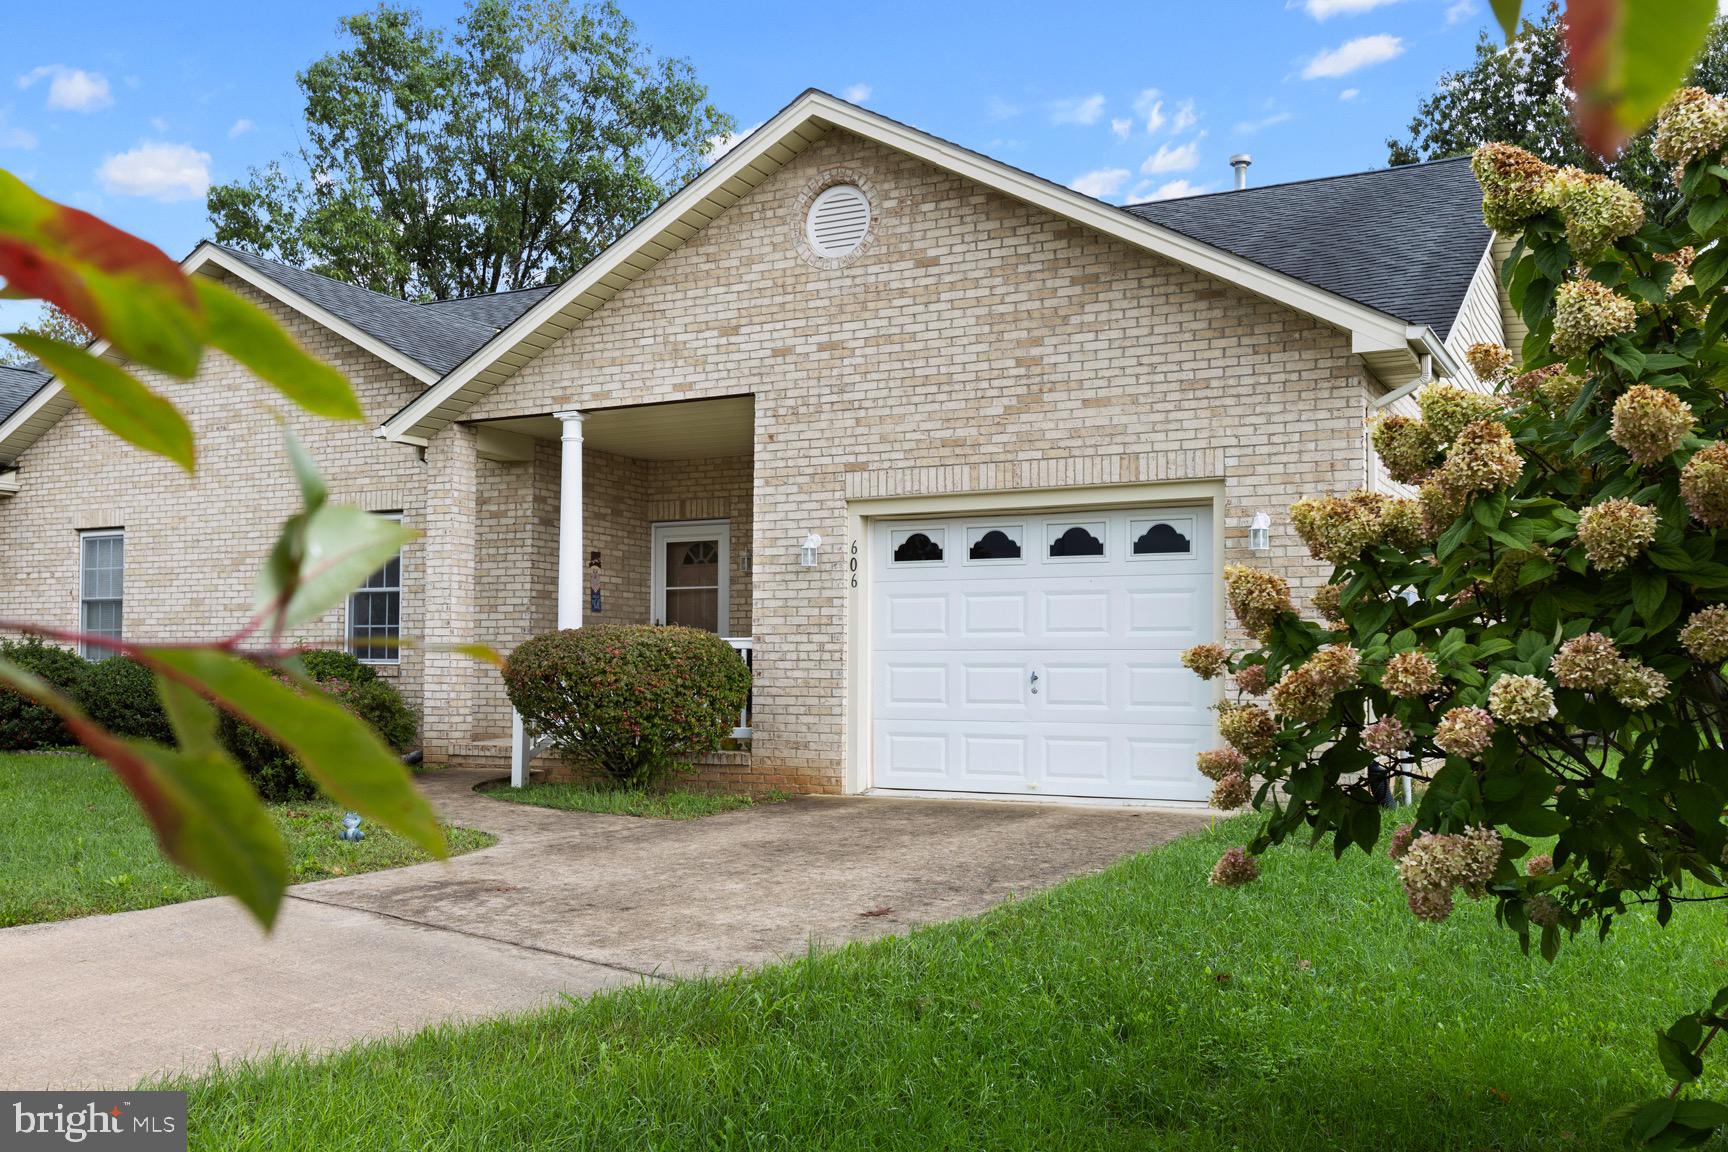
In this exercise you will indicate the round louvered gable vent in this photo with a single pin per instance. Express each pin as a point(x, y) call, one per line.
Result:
point(838, 222)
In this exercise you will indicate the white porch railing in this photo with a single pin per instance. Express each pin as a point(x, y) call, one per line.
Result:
point(746, 648)
point(524, 747)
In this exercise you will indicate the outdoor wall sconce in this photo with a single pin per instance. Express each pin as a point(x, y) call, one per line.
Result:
point(1260, 533)
point(807, 551)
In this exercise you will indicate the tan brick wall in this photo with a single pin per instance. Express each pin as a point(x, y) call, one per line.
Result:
point(978, 344)
point(194, 544)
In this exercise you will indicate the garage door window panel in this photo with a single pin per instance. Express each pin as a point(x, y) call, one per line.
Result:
point(919, 546)
point(1070, 541)
point(995, 544)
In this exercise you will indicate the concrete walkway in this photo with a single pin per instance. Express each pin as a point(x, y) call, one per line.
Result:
point(564, 903)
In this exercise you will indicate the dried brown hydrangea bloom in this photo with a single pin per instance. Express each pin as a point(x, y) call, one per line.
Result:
point(1512, 185)
point(1410, 675)
point(1706, 635)
point(1521, 701)
point(1448, 409)
point(1406, 446)
point(1587, 312)
point(1597, 211)
point(1464, 732)
point(1251, 680)
point(1232, 792)
point(1616, 532)
point(1481, 459)
point(1234, 869)
point(1257, 597)
point(1248, 728)
point(1693, 125)
point(1490, 361)
point(1587, 663)
point(1221, 762)
point(1206, 660)
point(1704, 486)
point(1650, 423)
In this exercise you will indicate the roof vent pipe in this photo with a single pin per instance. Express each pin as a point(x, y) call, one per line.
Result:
point(1240, 162)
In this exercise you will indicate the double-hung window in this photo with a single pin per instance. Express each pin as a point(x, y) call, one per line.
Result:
point(101, 589)
point(375, 612)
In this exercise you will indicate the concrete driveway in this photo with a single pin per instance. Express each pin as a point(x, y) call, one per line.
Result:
point(564, 903)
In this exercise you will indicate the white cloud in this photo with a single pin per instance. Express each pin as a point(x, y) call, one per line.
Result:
point(240, 128)
point(857, 94)
point(1249, 127)
point(1171, 190)
point(717, 147)
point(1101, 183)
point(1078, 109)
point(1185, 118)
point(1352, 55)
point(1349, 93)
point(1326, 9)
point(1174, 157)
point(1149, 106)
point(70, 88)
point(163, 172)
point(1464, 9)
point(1121, 127)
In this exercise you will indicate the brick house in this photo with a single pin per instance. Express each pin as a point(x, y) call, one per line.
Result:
point(954, 454)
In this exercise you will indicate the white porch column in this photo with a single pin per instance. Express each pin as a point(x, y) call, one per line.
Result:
point(571, 563)
point(571, 570)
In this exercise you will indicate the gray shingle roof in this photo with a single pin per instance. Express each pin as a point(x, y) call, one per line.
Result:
point(497, 311)
point(439, 340)
point(17, 385)
point(1405, 241)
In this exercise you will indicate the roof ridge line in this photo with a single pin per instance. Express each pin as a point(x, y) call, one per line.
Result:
point(1386, 171)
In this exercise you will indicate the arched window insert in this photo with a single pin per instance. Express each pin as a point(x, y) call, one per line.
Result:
point(924, 547)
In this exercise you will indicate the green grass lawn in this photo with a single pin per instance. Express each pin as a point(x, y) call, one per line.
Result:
point(1135, 1009)
point(673, 804)
point(73, 843)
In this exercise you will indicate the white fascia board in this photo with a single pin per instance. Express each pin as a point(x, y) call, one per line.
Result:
point(9, 482)
point(16, 422)
point(208, 254)
point(1372, 327)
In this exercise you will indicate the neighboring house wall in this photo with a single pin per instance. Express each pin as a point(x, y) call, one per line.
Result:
point(1479, 318)
point(976, 344)
point(194, 544)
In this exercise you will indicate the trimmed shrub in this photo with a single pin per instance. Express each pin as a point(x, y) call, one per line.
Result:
point(334, 664)
point(25, 724)
point(274, 771)
point(636, 701)
point(120, 695)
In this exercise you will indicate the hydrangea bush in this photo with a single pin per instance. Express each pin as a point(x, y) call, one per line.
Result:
point(1537, 633)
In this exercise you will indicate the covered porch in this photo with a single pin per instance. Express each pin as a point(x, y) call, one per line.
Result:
point(629, 515)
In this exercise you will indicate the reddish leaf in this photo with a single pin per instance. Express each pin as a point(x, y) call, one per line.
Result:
point(122, 288)
point(1627, 58)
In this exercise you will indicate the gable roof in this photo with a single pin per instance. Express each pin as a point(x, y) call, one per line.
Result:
point(1380, 255)
point(495, 311)
point(17, 385)
point(1404, 241)
point(1391, 345)
point(437, 340)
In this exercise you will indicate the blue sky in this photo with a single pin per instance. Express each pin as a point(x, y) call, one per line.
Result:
point(131, 109)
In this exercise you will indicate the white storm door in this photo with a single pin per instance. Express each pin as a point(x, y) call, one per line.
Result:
point(1038, 654)
point(690, 574)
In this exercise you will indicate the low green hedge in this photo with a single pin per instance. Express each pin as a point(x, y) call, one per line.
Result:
point(25, 724)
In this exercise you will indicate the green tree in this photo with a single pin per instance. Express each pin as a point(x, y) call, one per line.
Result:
point(504, 155)
point(55, 325)
point(1519, 92)
point(1539, 636)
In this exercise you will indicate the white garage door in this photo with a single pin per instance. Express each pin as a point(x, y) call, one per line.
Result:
point(1039, 654)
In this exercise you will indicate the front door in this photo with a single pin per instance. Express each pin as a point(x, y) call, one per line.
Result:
point(690, 574)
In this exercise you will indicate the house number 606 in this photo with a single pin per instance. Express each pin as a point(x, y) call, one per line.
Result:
point(853, 564)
